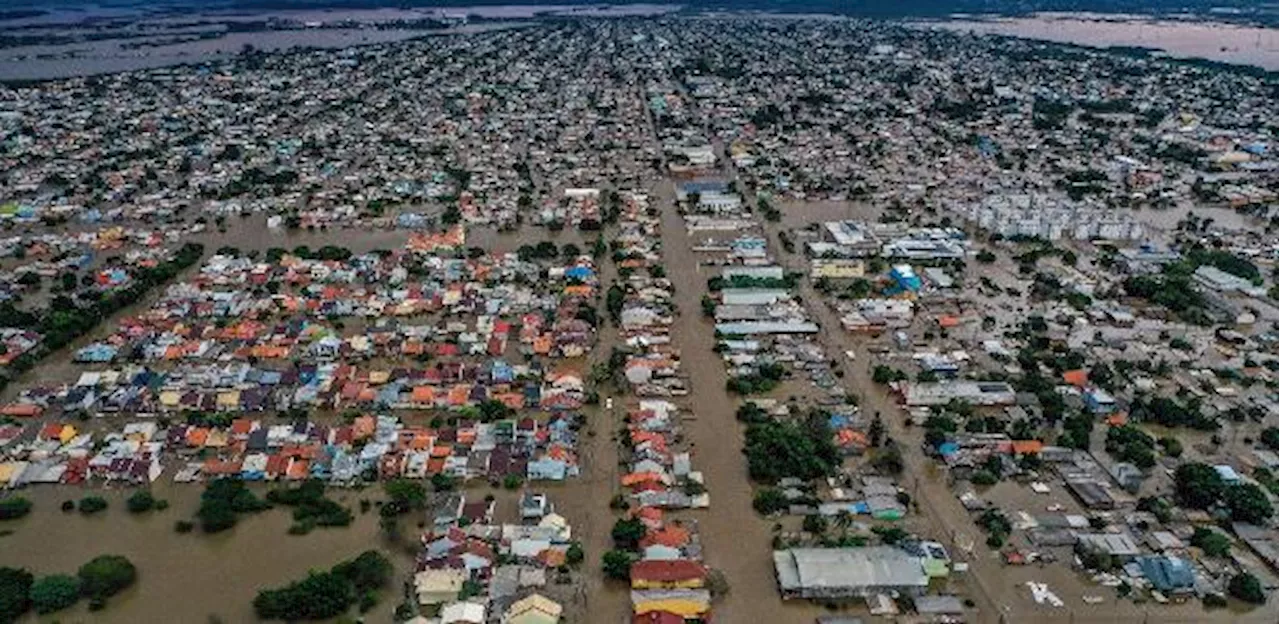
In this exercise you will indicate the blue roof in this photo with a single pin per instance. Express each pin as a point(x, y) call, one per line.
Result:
point(1167, 573)
point(579, 272)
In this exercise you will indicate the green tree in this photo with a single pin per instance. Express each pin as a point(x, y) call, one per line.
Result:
point(320, 596)
point(627, 533)
point(92, 504)
point(105, 576)
point(369, 571)
point(1211, 542)
point(15, 592)
point(778, 449)
point(14, 507)
point(574, 554)
point(406, 493)
point(769, 500)
point(1245, 586)
point(815, 524)
point(617, 564)
point(54, 593)
point(140, 501)
point(1248, 503)
point(1271, 437)
point(1197, 485)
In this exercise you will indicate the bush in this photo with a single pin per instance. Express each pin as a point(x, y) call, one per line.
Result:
point(323, 595)
point(574, 555)
point(105, 576)
point(310, 507)
point(1245, 586)
point(92, 504)
point(815, 524)
point(14, 507)
point(1248, 503)
point(627, 533)
point(1271, 437)
point(184, 526)
point(512, 482)
point(769, 500)
point(983, 477)
point(617, 564)
point(1197, 485)
point(320, 596)
point(785, 449)
point(1214, 601)
point(54, 593)
point(1211, 542)
point(15, 591)
point(140, 501)
point(222, 500)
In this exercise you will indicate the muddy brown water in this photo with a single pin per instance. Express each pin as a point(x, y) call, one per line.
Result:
point(188, 578)
point(1219, 42)
point(185, 577)
point(736, 540)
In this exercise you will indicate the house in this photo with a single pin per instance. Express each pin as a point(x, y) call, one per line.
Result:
point(669, 574)
point(1172, 576)
point(1119, 545)
point(657, 617)
point(463, 613)
point(533, 506)
point(533, 609)
point(688, 603)
point(435, 587)
point(848, 572)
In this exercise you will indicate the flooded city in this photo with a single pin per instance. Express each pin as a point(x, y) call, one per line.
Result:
point(619, 313)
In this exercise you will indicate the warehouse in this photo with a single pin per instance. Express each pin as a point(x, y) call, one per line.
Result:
point(848, 572)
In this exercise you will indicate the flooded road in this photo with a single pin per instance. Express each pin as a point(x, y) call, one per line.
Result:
point(737, 541)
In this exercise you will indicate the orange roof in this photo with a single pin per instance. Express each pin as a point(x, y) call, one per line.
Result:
point(1076, 377)
point(435, 466)
point(948, 321)
point(670, 535)
point(424, 394)
point(21, 409)
point(1027, 447)
point(298, 468)
point(1117, 419)
point(552, 558)
point(640, 477)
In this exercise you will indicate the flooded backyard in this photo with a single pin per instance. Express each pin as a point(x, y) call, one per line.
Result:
point(1216, 42)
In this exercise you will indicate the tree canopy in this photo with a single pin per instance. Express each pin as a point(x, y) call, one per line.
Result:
point(105, 576)
point(324, 595)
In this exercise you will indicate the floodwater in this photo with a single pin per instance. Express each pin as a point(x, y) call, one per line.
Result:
point(176, 571)
point(109, 56)
point(186, 577)
point(1241, 45)
point(736, 541)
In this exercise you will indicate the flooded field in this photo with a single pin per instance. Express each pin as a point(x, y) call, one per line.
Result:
point(1216, 42)
point(185, 577)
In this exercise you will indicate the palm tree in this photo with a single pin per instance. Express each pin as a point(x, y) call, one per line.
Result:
point(843, 521)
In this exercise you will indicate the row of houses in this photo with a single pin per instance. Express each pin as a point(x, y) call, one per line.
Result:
point(245, 388)
point(243, 308)
point(471, 570)
point(652, 364)
point(366, 449)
